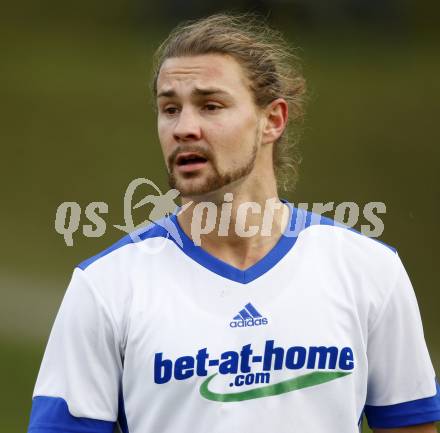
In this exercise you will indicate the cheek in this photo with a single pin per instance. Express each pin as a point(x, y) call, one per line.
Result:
point(161, 128)
point(164, 135)
point(235, 133)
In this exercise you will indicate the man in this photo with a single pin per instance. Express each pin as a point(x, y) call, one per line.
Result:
point(276, 321)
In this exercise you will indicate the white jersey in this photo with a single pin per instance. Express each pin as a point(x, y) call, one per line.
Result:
point(161, 337)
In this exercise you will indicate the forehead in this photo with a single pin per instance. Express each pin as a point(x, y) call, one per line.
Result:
point(205, 70)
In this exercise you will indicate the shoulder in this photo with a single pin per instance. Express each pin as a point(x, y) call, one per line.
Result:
point(129, 246)
point(135, 256)
point(333, 245)
point(331, 234)
point(364, 269)
point(112, 275)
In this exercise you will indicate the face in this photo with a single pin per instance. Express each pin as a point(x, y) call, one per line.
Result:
point(208, 123)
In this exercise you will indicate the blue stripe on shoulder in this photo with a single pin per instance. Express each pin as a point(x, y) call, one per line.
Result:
point(424, 410)
point(151, 231)
point(51, 414)
point(317, 219)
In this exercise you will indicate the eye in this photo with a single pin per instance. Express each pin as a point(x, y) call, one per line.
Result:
point(212, 107)
point(170, 110)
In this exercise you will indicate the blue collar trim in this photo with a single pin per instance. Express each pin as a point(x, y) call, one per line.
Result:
point(282, 247)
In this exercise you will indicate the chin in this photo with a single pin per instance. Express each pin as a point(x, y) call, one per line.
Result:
point(196, 187)
point(187, 190)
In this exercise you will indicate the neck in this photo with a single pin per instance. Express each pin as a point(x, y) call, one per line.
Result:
point(236, 225)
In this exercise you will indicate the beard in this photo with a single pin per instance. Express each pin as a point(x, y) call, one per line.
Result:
point(189, 185)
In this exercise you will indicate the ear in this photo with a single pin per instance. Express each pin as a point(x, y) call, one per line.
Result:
point(276, 115)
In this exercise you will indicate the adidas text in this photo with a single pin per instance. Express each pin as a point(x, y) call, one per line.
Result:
point(250, 322)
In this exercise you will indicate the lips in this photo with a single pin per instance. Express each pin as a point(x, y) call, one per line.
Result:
point(190, 158)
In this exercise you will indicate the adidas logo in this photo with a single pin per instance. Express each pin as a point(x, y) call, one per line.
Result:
point(248, 316)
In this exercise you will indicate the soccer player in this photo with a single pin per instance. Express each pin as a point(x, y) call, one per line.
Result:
point(279, 321)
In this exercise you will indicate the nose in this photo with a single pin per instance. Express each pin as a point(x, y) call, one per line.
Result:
point(187, 127)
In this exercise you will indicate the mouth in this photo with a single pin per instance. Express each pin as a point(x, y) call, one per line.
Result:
point(190, 161)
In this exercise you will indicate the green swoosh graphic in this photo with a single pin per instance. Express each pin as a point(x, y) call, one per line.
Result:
point(305, 381)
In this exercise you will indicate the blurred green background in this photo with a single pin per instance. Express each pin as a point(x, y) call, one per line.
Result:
point(77, 125)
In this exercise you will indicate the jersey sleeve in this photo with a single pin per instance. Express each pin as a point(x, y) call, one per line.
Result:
point(78, 384)
point(402, 389)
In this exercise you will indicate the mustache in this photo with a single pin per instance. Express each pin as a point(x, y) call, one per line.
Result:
point(202, 151)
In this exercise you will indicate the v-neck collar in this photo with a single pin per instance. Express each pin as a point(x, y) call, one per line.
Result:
point(208, 261)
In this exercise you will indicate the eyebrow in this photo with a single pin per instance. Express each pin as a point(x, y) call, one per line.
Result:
point(198, 91)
